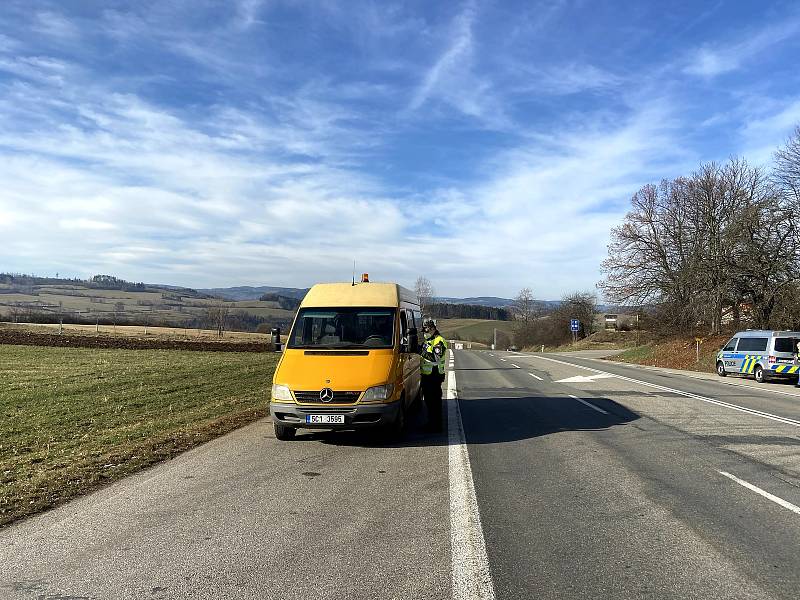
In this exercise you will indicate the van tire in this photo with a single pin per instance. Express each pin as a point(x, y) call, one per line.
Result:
point(284, 432)
point(759, 374)
point(721, 369)
point(396, 428)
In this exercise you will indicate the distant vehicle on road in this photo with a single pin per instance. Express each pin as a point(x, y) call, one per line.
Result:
point(351, 360)
point(764, 354)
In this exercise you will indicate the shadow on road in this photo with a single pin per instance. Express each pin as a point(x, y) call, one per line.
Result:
point(510, 419)
point(493, 421)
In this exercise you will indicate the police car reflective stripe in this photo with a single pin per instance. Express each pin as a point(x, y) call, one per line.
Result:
point(785, 368)
point(749, 364)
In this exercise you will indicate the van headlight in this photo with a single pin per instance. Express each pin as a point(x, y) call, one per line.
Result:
point(281, 392)
point(378, 393)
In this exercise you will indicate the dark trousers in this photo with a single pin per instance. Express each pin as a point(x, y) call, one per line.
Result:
point(432, 395)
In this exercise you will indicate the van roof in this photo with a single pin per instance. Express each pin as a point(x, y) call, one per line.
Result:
point(324, 295)
point(767, 333)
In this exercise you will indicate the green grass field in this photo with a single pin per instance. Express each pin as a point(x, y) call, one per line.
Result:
point(474, 330)
point(72, 419)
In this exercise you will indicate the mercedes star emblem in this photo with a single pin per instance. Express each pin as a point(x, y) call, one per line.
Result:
point(326, 395)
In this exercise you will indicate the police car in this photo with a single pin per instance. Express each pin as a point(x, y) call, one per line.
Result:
point(764, 354)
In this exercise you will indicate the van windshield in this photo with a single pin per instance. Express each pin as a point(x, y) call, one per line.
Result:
point(340, 328)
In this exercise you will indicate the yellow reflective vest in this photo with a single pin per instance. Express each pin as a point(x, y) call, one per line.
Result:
point(433, 353)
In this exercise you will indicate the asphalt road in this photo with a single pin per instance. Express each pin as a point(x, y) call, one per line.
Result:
point(559, 477)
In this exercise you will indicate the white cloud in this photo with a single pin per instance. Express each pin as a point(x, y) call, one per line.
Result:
point(710, 61)
point(84, 224)
point(55, 25)
point(451, 63)
point(768, 128)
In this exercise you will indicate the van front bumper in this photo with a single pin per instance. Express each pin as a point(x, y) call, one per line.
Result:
point(356, 416)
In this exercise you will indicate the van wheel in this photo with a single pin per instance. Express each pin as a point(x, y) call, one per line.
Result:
point(396, 429)
point(721, 369)
point(284, 432)
point(759, 374)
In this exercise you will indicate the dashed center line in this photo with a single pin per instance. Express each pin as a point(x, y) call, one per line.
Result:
point(589, 404)
point(515, 366)
point(503, 359)
point(780, 501)
point(535, 376)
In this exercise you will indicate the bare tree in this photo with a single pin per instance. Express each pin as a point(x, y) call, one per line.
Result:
point(216, 315)
point(692, 246)
point(787, 167)
point(652, 257)
point(577, 305)
point(425, 292)
point(524, 306)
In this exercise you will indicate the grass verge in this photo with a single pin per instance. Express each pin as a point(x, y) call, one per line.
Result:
point(73, 419)
point(676, 353)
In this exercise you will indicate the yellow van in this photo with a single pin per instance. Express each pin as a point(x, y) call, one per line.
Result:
point(351, 360)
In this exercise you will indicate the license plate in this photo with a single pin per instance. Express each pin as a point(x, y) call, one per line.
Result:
point(325, 419)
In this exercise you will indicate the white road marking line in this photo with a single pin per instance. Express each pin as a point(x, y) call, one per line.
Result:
point(589, 404)
point(584, 378)
point(535, 376)
point(515, 366)
point(503, 359)
point(471, 579)
point(743, 409)
point(767, 495)
point(742, 382)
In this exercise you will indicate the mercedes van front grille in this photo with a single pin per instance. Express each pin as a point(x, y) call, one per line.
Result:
point(313, 397)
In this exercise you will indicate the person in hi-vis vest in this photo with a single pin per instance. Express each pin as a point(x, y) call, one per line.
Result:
point(797, 361)
point(433, 353)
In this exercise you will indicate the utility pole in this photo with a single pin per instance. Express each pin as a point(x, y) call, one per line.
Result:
point(638, 329)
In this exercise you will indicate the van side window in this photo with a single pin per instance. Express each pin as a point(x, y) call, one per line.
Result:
point(785, 344)
point(753, 344)
point(403, 324)
point(411, 321)
point(730, 346)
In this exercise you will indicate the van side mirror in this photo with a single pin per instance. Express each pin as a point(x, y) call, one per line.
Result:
point(413, 340)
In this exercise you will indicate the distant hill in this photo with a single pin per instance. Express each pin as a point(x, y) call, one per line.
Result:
point(105, 299)
point(492, 301)
point(247, 292)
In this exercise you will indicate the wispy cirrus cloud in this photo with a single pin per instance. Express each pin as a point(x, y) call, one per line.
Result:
point(210, 144)
point(711, 60)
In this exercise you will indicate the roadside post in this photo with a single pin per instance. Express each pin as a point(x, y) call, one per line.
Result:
point(276, 338)
point(575, 327)
point(698, 341)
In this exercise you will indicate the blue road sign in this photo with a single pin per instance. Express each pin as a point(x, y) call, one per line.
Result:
point(575, 325)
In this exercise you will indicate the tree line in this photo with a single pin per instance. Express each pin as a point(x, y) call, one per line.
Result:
point(720, 244)
point(446, 310)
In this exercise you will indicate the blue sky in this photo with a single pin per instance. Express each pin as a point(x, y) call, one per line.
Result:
point(487, 145)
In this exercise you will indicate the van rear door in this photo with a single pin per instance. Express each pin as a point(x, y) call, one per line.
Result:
point(785, 349)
